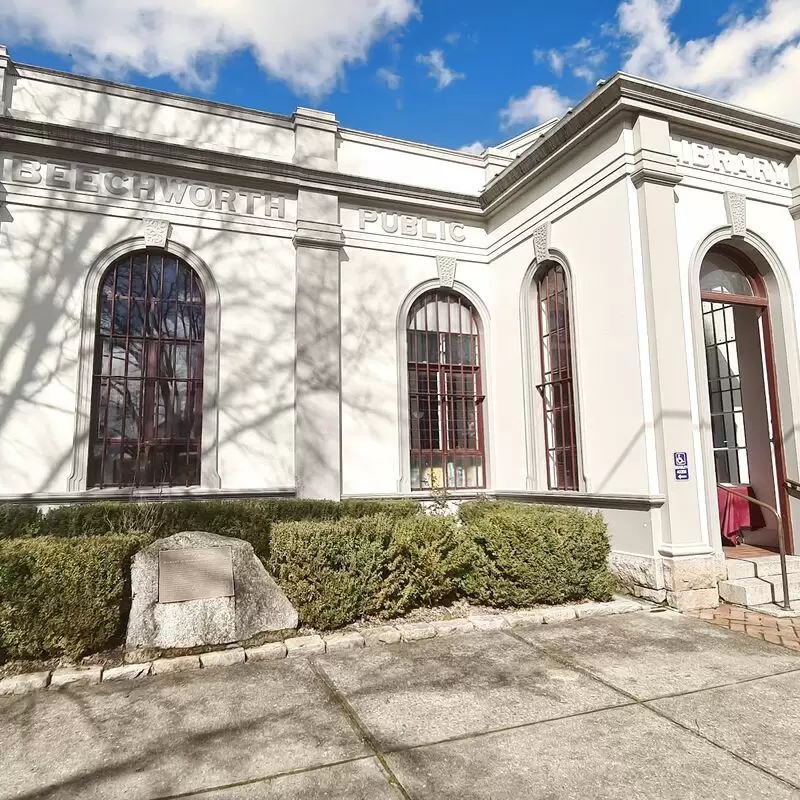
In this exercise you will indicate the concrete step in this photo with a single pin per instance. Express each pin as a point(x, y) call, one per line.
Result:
point(746, 591)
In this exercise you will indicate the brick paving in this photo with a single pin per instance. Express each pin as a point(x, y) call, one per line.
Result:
point(783, 631)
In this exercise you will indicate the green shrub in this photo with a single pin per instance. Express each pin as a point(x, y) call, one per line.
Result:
point(332, 572)
point(429, 558)
point(337, 563)
point(526, 555)
point(64, 596)
point(18, 520)
point(244, 519)
point(367, 508)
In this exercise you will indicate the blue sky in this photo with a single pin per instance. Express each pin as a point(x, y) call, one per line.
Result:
point(447, 72)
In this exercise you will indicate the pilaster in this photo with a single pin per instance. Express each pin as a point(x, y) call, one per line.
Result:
point(315, 139)
point(318, 243)
point(680, 519)
point(794, 184)
point(5, 62)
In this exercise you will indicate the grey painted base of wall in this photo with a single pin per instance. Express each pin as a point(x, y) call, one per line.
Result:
point(686, 583)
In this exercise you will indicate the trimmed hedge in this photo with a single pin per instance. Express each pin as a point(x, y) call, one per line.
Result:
point(332, 572)
point(64, 596)
point(244, 519)
point(69, 595)
point(494, 554)
point(527, 555)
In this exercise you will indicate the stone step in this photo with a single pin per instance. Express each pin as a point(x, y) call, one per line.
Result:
point(739, 568)
point(777, 586)
point(771, 565)
point(746, 591)
point(761, 567)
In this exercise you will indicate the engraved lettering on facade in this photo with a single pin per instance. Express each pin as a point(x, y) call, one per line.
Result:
point(730, 162)
point(142, 187)
point(410, 226)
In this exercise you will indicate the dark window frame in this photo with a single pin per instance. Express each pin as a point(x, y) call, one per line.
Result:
point(445, 393)
point(148, 356)
point(556, 385)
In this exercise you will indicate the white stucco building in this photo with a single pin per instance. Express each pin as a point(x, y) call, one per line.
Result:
point(198, 299)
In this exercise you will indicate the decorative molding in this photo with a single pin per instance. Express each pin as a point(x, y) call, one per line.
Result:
point(795, 211)
point(541, 242)
point(622, 502)
point(167, 158)
point(650, 175)
point(736, 210)
point(446, 267)
point(155, 232)
point(327, 235)
point(164, 494)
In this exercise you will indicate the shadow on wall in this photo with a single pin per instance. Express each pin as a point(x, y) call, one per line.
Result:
point(47, 254)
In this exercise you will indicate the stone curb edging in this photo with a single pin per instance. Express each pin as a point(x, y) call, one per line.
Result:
point(313, 645)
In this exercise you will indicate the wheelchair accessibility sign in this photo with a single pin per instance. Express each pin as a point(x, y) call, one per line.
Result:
point(681, 463)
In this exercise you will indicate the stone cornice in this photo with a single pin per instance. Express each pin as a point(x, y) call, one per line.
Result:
point(69, 142)
point(626, 95)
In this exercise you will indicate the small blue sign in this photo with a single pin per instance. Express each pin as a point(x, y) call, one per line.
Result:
point(680, 459)
point(681, 473)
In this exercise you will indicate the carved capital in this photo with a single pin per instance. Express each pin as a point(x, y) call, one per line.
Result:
point(541, 242)
point(446, 267)
point(736, 210)
point(662, 177)
point(156, 232)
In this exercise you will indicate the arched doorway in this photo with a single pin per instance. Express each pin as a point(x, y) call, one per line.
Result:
point(745, 423)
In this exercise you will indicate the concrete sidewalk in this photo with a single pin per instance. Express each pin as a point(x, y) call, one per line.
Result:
point(644, 705)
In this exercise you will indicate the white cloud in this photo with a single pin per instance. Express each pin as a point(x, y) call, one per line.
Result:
point(437, 69)
point(305, 45)
point(540, 104)
point(475, 149)
point(391, 79)
point(452, 38)
point(582, 58)
point(753, 61)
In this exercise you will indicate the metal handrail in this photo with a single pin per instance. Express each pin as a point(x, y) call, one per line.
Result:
point(781, 542)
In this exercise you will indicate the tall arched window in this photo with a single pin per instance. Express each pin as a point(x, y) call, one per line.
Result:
point(147, 383)
point(445, 393)
point(556, 386)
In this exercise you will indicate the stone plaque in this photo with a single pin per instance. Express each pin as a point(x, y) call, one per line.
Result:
point(196, 573)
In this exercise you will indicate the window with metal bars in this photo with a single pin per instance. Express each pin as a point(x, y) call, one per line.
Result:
point(556, 386)
point(445, 393)
point(147, 387)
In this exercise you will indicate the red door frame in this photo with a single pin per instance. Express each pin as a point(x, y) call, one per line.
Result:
point(760, 299)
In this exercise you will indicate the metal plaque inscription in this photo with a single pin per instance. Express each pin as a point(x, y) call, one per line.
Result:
point(199, 573)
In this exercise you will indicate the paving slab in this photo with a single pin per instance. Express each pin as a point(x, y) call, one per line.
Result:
point(758, 720)
point(355, 780)
point(181, 732)
point(438, 688)
point(620, 754)
point(651, 655)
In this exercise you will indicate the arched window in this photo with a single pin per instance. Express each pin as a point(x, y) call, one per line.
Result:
point(147, 383)
point(556, 386)
point(445, 393)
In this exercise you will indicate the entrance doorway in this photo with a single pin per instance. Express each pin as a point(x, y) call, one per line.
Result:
point(745, 430)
